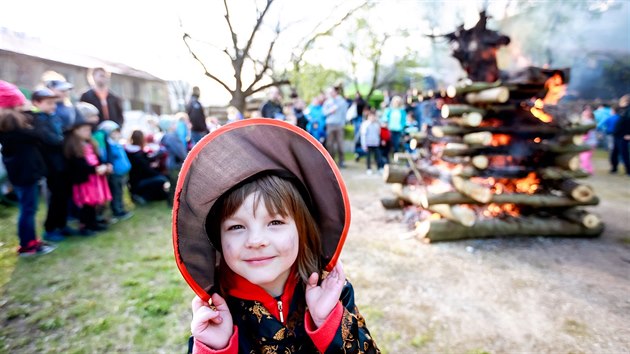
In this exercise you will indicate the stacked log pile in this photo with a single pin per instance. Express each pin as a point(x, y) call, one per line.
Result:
point(502, 161)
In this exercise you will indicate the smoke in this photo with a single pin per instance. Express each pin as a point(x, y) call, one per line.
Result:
point(593, 39)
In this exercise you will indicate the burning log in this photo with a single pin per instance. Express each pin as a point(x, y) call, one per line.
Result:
point(446, 230)
point(457, 213)
point(533, 200)
point(480, 162)
point(493, 95)
point(579, 192)
point(475, 191)
point(479, 138)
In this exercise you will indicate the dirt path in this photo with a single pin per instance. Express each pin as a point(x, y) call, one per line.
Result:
point(497, 295)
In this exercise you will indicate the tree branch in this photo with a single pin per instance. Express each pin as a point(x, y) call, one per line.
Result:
point(229, 23)
point(206, 72)
point(259, 21)
point(266, 63)
point(273, 83)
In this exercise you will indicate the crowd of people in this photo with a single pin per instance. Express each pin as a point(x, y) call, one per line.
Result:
point(74, 154)
point(378, 131)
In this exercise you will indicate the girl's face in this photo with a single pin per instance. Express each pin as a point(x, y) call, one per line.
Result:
point(259, 246)
point(84, 132)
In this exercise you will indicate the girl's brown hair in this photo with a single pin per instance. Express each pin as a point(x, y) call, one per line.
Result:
point(11, 119)
point(281, 197)
point(137, 138)
point(73, 145)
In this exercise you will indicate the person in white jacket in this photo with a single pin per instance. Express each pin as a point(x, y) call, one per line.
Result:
point(371, 139)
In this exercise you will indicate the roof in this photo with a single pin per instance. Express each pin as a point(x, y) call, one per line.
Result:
point(22, 44)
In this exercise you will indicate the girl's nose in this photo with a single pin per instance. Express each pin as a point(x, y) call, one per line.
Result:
point(257, 239)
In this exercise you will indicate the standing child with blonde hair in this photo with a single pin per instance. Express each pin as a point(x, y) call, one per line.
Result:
point(259, 220)
point(88, 174)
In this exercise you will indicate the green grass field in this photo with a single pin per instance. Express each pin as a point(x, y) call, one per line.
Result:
point(119, 291)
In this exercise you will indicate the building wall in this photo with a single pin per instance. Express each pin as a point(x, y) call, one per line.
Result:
point(137, 93)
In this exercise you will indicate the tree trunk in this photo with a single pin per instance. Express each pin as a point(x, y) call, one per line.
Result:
point(579, 192)
point(393, 203)
point(238, 101)
point(395, 173)
point(445, 230)
point(493, 95)
point(475, 191)
point(523, 131)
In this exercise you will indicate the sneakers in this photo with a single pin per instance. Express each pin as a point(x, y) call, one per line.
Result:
point(53, 236)
point(368, 172)
point(138, 199)
point(36, 248)
point(123, 216)
point(68, 231)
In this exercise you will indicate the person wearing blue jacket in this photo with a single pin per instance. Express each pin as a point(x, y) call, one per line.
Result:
point(396, 117)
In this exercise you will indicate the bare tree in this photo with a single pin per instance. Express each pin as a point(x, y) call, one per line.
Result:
point(240, 54)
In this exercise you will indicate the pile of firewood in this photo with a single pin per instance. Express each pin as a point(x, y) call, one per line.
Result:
point(503, 161)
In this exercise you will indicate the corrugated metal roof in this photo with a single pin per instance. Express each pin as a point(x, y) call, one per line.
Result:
point(23, 44)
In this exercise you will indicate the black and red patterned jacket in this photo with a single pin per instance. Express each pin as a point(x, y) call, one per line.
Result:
point(264, 324)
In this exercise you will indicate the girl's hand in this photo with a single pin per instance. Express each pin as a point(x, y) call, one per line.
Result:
point(101, 170)
point(211, 327)
point(110, 168)
point(321, 300)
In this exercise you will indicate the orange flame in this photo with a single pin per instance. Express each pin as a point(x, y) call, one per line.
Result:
point(556, 89)
point(500, 139)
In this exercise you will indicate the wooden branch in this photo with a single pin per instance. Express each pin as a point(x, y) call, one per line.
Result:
point(579, 192)
point(415, 196)
point(456, 110)
point(534, 200)
point(493, 95)
point(273, 83)
point(266, 65)
point(480, 162)
point(393, 203)
point(570, 162)
point(475, 191)
point(395, 173)
point(206, 72)
point(527, 130)
point(554, 173)
point(472, 119)
point(445, 230)
point(457, 213)
point(455, 90)
point(478, 138)
point(582, 217)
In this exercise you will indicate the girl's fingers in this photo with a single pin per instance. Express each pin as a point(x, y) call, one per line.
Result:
point(196, 303)
point(219, 303)
point(205, 315)
point(312, 280)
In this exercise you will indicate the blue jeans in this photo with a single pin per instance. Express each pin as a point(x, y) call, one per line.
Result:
point(196, 136)
point(27, 199)
point(396, 136)
point(116, 183)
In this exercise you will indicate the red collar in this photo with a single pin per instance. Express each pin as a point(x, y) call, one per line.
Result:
point(241, 288)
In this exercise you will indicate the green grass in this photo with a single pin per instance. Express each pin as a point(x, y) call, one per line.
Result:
point(119, 291)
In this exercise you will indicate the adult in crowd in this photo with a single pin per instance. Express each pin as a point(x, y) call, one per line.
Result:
point(602, 113)
point(109, 105)
point(335, 109)
point(21, 155)
point(621, 137)
point(273, 107)
point(65, 110)
point(146, 183)
point(176, 154)
point(355, 114)
point(197, 117)
point(49, 127)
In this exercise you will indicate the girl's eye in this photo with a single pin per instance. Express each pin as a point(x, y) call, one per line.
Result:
point(276, 222)
point(235, 227)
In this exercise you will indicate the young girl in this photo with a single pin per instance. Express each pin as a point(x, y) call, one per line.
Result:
point(371, 139)
point(88, 174)
point(260, 216)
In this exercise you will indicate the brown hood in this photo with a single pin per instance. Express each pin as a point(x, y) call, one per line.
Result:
point(234, 153)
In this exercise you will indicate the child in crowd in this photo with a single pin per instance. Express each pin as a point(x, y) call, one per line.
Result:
point(590, 139)
point(50, 129)
point(115, 155)
point(146, 182)
point(266, 199)
point(371, 139)
point(87, 173)
point(25, 166)
point(176, 152)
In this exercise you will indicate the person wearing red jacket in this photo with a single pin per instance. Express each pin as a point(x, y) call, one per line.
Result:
point(257, 230)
